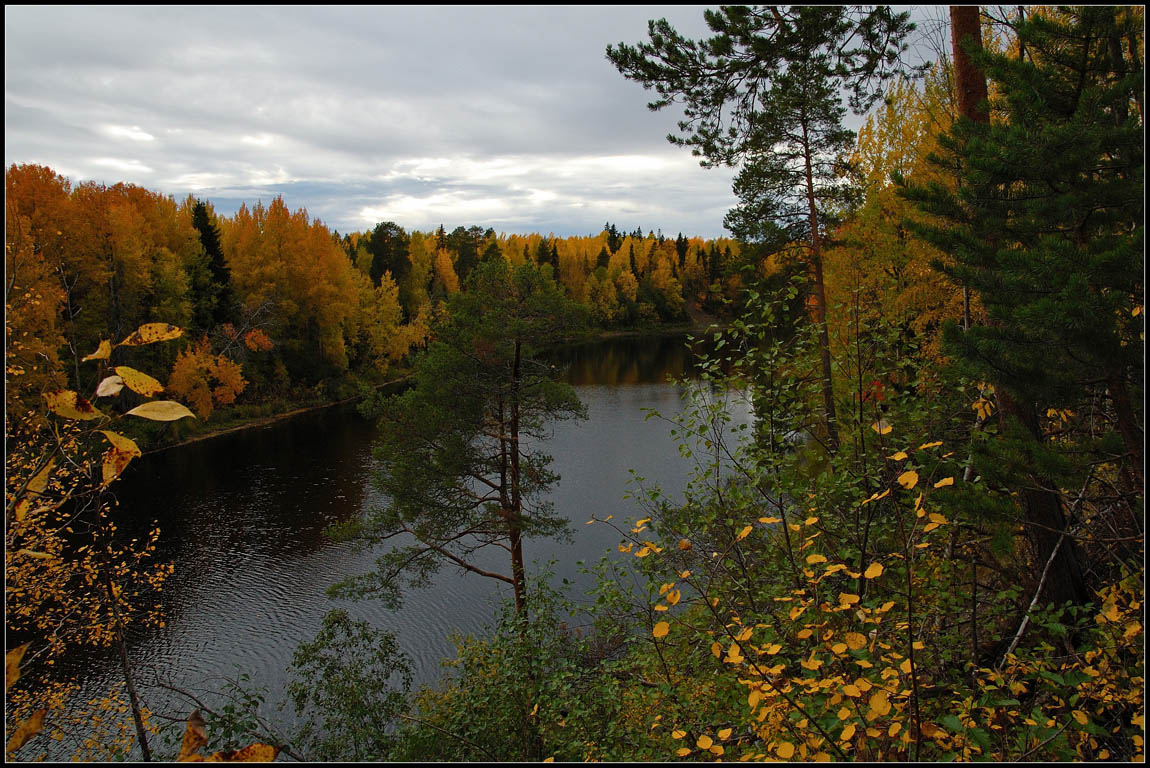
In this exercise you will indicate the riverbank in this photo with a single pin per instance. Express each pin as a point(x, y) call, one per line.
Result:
point(700, 322)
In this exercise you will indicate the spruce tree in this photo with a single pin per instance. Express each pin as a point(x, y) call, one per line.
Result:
point(216, 304)
point(1047, 229)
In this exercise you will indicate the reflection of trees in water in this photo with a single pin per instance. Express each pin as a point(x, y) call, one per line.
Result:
point(268, 491)
point(612, 362)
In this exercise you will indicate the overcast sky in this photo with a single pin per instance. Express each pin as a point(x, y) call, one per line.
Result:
point(509, 117)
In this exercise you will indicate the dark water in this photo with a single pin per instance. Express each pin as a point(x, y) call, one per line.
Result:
point(242, 517)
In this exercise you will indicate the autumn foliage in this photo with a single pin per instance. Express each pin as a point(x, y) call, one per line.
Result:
point(207, 380)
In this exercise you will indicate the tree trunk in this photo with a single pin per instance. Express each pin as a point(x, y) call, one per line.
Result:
point(141, 734)
point(970, 82)
point(819, 310)
point(515, 523)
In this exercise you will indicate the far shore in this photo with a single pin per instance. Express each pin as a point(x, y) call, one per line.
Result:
point(700, 322)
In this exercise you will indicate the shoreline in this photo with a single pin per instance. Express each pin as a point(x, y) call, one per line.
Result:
point(263, 421)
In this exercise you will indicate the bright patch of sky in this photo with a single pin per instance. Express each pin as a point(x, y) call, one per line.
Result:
point(508, 117)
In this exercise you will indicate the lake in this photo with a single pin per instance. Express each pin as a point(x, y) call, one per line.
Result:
point(242, 517)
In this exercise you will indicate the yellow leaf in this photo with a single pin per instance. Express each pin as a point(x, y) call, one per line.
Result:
point(716, 649)
point(549, 760)
point(661, 629)
point(161, 410)
point(812, 559)
point(848, 599)
point(898, 456)
point(734, 654)
point(852, 690)
point(724, 733)
point(935, 444)
point(103, 352)
point(685, 545)
point(785, 750)
point(839, 648)
point(716, 750)
point(25, 731)
point(149, 333)
point(683, 751)
point(882, 427)
point(678, 734)
point(70, 405)
point(908, 479)
point(876, 496)
point(810, 520)
point(843, 713)
point(674, 596)
point(1081, 717)
point(194, 738)
point(944, 482)
point(12, 665)
point(848, 732)
point(774, 648)
point(879, 703)
point(855, 640)
point(36, 486)
point(123, 451)
point(704, 742)
point(894, 729)
point(873, 571)
point(743, 533)
point(770, 520)
point(253, 753)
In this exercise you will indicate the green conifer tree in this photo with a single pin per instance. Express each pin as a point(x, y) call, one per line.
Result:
point(1047, 228)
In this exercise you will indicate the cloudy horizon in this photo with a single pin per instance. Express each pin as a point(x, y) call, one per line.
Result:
point(505, 117)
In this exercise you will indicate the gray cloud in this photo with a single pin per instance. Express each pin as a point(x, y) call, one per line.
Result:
point(507, 117)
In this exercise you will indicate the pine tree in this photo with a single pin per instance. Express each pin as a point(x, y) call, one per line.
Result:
point(462, 464)
point(764, 94)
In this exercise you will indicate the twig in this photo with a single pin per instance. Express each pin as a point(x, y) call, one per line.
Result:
point(1033, 602)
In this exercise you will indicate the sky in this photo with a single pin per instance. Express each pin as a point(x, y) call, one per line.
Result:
point(508, 117)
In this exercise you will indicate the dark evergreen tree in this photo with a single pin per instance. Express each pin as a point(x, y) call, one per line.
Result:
point(614, 239)
point(466, 244)
point(603, 259)
point(213, 300)
point(388, 245)
point(1048, 229)
point(463, 467)
point(681, 246)
point(764, 94)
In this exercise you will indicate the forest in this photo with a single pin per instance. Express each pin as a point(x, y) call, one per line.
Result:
point(928, 544)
